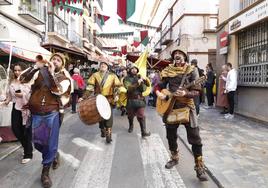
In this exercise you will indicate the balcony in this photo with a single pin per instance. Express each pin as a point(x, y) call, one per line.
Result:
point(166, 36)
point(34, 13)
point(157, 47)
point(57, 27)
point(6, 2)
point(75, 38)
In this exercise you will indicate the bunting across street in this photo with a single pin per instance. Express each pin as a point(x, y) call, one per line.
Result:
point(125, 9)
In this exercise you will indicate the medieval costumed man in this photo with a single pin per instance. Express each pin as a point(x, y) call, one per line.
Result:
point(175, 76)
point(136, 103)
point(51, 88)
point(106, 83)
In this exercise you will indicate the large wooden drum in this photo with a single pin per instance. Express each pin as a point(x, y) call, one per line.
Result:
point(94, 109)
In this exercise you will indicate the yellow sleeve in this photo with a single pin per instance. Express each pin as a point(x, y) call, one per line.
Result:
point(117, 82)
point(92, 80)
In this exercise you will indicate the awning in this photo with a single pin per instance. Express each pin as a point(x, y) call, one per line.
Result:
point(152, 63)
point(24, 51)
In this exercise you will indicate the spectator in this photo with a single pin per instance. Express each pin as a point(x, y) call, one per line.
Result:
point(79, 86)
point(230, 88)
point(19, 94)
point(196, 98)
point(222, 100)
point(209, 85)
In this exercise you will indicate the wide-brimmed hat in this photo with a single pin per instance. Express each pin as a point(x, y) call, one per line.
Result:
point(182, 52)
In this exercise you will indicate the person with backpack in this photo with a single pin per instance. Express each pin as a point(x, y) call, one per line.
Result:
point(79, 85)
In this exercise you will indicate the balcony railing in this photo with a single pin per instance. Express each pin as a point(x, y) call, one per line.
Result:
point(98, 22)
point(56, 24)
point(100, 3)
point(166, 36)
point(34, 13)
point(75, 38)
point(245, 3)
point(157, 47)
point(6, 2)
point(98, 44)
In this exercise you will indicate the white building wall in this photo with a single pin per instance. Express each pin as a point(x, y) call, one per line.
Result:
point(202, 7)
point(13, 10)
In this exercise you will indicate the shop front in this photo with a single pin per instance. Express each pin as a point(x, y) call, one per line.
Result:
point(250, 31)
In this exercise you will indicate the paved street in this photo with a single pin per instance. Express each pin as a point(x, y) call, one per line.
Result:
point(129, 162)
point(235, 151)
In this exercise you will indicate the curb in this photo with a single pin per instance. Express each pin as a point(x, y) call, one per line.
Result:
point(218, 183)
point(10, 152)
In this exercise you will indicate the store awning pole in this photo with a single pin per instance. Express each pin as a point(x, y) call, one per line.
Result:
point(9, 65)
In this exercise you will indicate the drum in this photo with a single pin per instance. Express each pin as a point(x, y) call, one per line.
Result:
point(94, 109)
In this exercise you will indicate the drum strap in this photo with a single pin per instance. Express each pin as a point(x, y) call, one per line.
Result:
point(104, 79)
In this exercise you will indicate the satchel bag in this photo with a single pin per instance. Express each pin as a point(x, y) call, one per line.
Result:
point(177, 116)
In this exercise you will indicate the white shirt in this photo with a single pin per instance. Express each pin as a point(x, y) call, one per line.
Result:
point(231, 80)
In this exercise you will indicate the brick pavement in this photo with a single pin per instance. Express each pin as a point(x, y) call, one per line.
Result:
point(235, 151)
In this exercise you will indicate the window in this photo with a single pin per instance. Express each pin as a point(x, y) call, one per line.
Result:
point(253, 56)
point(245, 3)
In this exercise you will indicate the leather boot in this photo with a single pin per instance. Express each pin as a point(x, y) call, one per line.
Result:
point(130, 129)
point(143, 128)
point(102, 133)
point(108, 135)
point(45, 179)
point(200, 169)
point(174, 160)
point(56, 162)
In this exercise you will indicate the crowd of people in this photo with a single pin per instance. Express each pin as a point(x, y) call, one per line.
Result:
point(41, 92)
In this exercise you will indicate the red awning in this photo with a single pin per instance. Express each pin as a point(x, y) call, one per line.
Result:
point(153, 63)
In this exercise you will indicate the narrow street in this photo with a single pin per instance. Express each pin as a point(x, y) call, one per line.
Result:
point(87, 161)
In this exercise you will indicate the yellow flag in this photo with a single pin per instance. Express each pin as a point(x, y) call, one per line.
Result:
point(141, 64)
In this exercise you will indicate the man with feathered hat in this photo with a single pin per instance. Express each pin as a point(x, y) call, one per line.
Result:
point(175, 77)
point(51, 90)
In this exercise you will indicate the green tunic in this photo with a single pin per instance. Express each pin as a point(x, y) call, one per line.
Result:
point(134, 92)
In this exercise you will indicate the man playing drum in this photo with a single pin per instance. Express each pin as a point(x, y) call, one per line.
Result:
point(50, 93)
point(105, 83)
point(174, 76)
point(135, 86)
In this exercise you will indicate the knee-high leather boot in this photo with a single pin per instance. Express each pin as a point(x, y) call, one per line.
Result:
point(108, 135)
point(130, 121)
point(143, 127)
point(45, 179)
point(200, 169)
point(174, 159)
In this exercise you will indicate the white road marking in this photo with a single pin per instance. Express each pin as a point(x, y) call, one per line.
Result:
point(154, 157)
point(95, 169)
point(84, 143)
point(74, 162)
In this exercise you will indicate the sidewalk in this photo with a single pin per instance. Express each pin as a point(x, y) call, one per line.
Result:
point(8, 148)
point(235, 151)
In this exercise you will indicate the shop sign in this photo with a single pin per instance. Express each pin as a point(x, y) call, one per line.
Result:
point(224, 50)
point(250, 17)
point(223, 39)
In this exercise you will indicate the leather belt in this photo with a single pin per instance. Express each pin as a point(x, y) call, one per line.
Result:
point(44, 113)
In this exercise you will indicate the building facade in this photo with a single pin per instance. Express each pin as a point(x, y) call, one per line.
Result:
point(244, 24)
point(189, 28)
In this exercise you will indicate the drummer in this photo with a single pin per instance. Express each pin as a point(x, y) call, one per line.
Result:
point(106, 83)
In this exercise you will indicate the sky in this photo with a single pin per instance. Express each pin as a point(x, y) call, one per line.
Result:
point(141, 15)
